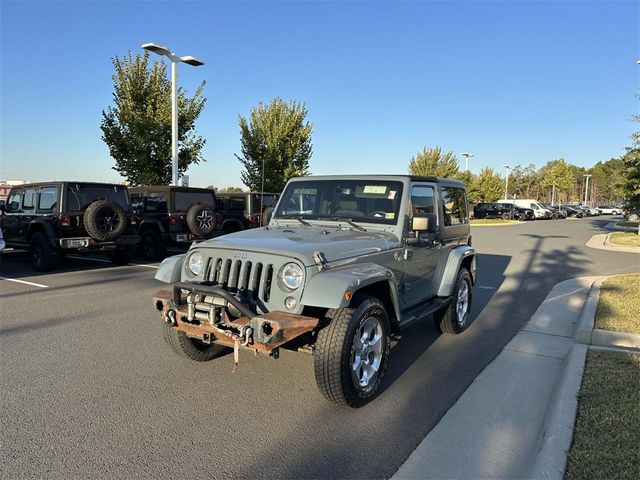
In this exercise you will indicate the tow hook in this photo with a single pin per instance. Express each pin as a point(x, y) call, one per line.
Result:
point(170, 318)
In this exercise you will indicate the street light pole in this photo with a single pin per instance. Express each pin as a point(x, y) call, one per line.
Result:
point(586, 189)
point(506, 185)
point(175, 59)
point(466, 155)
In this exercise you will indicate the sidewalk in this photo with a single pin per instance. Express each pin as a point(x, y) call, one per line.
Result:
point(516, 419)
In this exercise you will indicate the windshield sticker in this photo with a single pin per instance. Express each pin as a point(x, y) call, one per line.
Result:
point(375, 189)
point(390, 215)
point(392, 195)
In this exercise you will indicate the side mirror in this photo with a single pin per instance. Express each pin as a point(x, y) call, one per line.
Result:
point(424, 222)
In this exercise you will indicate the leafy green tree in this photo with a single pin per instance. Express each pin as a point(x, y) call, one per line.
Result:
point(473, 195)
point(609, 176)
point(137, 129)
point(631, 163)
point(523, 181)
point(231, 189)
point(558, 173)
point(276, 141)
point(489, 185)
point(433, 162)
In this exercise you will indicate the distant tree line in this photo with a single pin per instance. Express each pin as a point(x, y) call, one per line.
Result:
point(607, 183)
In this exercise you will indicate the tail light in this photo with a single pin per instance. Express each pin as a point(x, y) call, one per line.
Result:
point(252, 218)
point(173, 220)
point(219, 219)
point(134, 220)
point(65, 220)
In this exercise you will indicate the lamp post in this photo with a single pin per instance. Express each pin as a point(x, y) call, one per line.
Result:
point(586, 189)
point(506, 185)
point(467, 155)
point(175, 59)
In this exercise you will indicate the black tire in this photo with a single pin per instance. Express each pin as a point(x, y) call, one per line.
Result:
point(506, 216)
point(104, 220)
point(201, 219)
point(43, 255)
point(633, 217)
point(447, 318)
point(151, 245)
point(335, 352)
point(121, 255)
point(189, 347)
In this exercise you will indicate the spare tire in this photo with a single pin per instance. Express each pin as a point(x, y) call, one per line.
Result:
point(201, 219)
point(104, 220)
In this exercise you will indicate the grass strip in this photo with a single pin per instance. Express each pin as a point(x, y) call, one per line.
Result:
point(606, 438)
point(629, 239)
point(627, 224)
point(619, 306)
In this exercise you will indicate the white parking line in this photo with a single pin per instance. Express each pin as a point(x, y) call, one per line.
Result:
point(101, 260)
point(33, 284)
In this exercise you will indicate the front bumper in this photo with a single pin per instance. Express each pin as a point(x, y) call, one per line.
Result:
point(202, 312)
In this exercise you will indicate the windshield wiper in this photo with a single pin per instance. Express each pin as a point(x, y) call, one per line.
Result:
point(346, 220)
point(296, 217)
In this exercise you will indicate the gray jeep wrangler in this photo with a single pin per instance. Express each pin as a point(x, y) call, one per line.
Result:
point(344, 263)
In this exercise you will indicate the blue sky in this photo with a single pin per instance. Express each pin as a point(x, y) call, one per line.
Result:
point(513, 82)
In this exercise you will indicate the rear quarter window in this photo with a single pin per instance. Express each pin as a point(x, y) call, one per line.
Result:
point(454, 206)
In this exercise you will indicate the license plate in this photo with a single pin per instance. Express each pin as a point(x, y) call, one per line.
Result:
point(182, 237)
point(76, 243)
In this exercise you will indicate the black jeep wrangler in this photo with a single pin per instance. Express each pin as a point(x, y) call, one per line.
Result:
point(244, 210)
point(172, 217)
point(53, 218)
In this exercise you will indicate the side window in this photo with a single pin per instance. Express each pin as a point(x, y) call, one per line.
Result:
point(422, 200)
point(237, 204)
point(454, 206)
point(157, 203)
point(137, 201)
point(48, 199)
point(29, 199)
point(13, 202)
point(534, 206)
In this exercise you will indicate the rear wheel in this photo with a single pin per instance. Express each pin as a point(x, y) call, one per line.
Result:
point(633, 217)
point(455, 318)
point(352, 352)
point(152, 247)
point(43, 255)
point(190, 347)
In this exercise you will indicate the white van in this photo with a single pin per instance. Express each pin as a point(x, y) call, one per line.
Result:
point(538, 210)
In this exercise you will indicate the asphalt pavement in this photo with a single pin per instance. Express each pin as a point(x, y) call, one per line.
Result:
point(89, 389)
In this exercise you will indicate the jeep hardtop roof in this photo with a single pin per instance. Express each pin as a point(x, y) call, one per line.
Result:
point(415, 178)
point(66, 182)
point(164, 188)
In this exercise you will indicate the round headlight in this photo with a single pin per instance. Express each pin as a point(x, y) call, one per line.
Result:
point(195, 263)
point(292, 276)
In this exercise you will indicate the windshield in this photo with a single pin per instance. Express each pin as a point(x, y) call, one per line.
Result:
point(80, 196)
point(371, 201)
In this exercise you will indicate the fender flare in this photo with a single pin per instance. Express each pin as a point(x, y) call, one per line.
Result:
point(232, 221)
point(327, 288)
point(151, 223)
point(37, 225)
point(455, 259)
point(170, 270)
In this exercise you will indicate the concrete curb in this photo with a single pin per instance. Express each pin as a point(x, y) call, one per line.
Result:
point(588, 335)
point(551, 459)
point(601, 242)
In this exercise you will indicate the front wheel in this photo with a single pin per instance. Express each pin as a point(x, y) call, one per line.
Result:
point(352, 352)
point(633, 217)
point(455, 317)
point(190, 347)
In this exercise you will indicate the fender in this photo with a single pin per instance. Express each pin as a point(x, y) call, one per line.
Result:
point(37, 225)
point(170, 269)
point(232, 221)
point(151, 223)
point(450, 272)
point(327, 288)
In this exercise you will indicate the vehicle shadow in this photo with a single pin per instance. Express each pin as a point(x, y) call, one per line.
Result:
point(428, 372)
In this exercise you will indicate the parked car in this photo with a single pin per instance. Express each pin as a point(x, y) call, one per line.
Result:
point(2, 244)
point(571, 211)
point(346, 261)
point(54, 218)
point(243, 210)
point(609, 210)
point(514, 212)
point(173, 217)
point(556, 212)
point(539, 212)
point(632, 215)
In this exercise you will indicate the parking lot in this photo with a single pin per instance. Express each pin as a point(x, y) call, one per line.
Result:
point(90, 389)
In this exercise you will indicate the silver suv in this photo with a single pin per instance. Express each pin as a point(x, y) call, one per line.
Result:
point(344, 262)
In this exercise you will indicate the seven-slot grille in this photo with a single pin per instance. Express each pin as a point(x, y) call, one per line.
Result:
point(248, 278)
